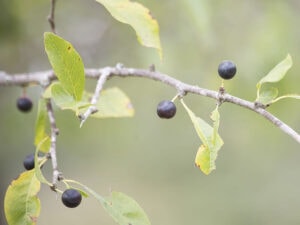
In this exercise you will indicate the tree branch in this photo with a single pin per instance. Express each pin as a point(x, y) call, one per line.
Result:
point(92, 109)
point(51, 16)
point(39, 78)
point(52, 151)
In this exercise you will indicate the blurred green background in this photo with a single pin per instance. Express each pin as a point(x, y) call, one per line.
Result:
point(257, 178)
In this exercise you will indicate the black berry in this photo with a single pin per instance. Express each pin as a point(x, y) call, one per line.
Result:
point(166, 109)
point(71, 198)
point(227, 70)
point(29, 162)
point(24, 104)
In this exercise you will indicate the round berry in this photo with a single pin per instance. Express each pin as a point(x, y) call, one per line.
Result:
point(227, 70)
point(24, 104)
point(29, 162)
point(71, 198)
point(166, 109)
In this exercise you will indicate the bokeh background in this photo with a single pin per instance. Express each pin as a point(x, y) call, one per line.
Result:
point(257, 178)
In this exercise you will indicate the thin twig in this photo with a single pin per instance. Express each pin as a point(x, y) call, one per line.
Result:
point(51, 19)
point(181, 87)
point(54, 132)
point(92, 109)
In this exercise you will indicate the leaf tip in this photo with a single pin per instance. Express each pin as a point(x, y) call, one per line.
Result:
point(289, 57)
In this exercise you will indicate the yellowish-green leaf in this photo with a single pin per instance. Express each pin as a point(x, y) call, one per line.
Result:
point(277, 73)
point(113, 102)
point(41, 127)
point(139, 18)
point(21, 205)
point(66, 101)
point(267, 95)
point(47, 92)
point(203, 161)
point(124, 210)
point(212, 142)
point(61, 97)
point(66, 63)
point(38, 173)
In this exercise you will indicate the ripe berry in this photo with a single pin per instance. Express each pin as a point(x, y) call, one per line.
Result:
point(29, 162)
point(227, 70)
point(166, 109)
point(71, 198)
point(24, 104)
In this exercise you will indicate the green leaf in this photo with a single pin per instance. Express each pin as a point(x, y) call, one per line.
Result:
point(277, 73)
point(113, 102)
point(38, 173)
point(21, 205)
point(122, 208)
point(64, 100)
point(41, 127)
point(61, 97)
point(139, 18)
point(267, 96)
point(66, 63)
point(212, 142)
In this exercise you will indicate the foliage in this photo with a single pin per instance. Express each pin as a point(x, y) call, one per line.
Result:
point(22, 206)
point(269, 95)
point(139, 18)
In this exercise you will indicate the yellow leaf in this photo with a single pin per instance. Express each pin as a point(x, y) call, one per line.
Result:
point(139, 18)
point(21, 205)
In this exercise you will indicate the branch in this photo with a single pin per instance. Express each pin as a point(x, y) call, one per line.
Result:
point(51, 16)
point(54, 132)
point(92, 109)
point(182, 88)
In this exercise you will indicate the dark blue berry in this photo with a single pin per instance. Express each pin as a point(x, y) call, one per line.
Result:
point(29, 162)
point(166, 109)
point(227, 70)
point(24, 104)
point(71, 198)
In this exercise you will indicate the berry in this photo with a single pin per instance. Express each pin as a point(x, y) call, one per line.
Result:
point(24, 104)
point(71, 198)
point(227, 70)
point(29, 162)
point(166, 109)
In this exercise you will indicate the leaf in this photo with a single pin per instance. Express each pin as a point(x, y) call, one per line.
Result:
point(38, 173)
point(61, 97)
point(267, 96)
point(21, 205)
point(212, 142)
point(113, 102)
point(139, 18)
point(124, 210)
point(66, 63)
point(41, 126)
point(277, 73)
point(64, 100)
